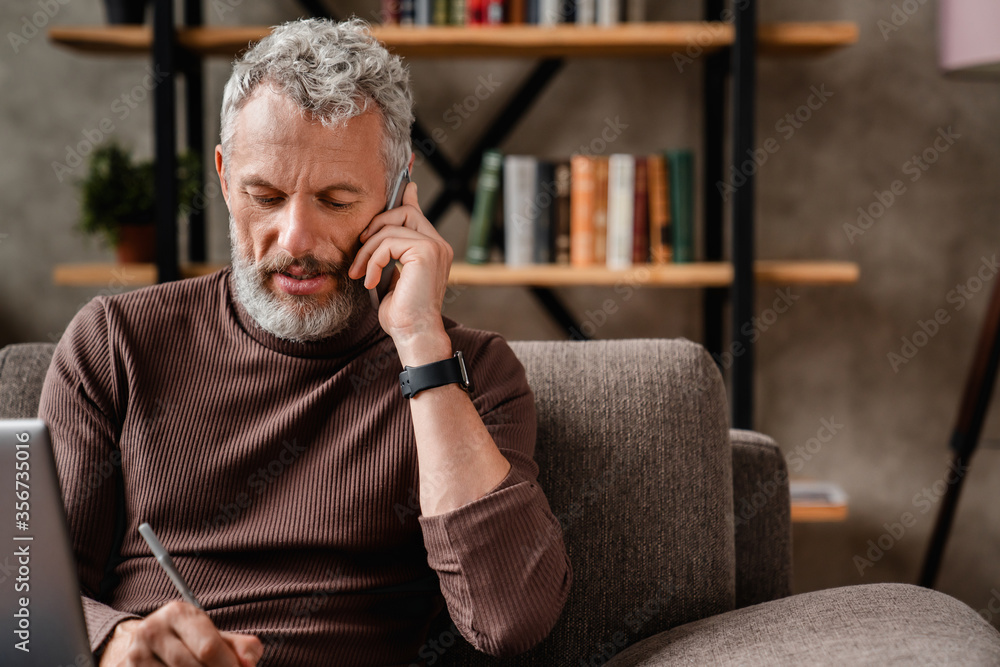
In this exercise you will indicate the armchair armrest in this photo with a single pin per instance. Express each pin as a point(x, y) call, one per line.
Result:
point(762, 519)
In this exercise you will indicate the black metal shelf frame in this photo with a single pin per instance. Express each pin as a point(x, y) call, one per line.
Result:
point(739, 62)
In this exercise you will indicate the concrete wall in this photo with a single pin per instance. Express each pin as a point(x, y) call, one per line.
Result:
point(826, 358)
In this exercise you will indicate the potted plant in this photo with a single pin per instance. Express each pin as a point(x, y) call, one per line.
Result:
point(119, 202)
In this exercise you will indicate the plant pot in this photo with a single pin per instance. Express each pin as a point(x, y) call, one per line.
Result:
point(125, 11)
point(136, 244)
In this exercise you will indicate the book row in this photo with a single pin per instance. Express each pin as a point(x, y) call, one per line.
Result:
point(494, 12)
point(612, 211)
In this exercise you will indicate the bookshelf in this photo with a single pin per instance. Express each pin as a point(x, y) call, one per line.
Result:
point(506, 41)
point(724, 49)
point(693, 275)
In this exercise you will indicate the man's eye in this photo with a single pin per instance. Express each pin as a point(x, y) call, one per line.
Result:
point(338, 206)
point(265, 201)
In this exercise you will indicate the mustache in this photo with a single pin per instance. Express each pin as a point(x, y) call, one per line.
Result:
point(308, 263)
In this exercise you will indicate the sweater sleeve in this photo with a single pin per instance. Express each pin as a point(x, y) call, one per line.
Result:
point(500, 559)
point(83, 406)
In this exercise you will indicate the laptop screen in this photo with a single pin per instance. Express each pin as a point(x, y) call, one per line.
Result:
point(42, 617)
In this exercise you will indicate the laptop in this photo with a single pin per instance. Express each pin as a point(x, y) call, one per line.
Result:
point(42, 617)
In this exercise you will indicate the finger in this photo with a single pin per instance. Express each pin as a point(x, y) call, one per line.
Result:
point(403, 217)
point(200, 636)
point(138, 654)
point(248, 648)
point(436, 256)
point(170, 650)
point(410, 196)
point(362, 260)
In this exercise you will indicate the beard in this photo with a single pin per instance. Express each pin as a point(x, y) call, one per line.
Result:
point(294, 317)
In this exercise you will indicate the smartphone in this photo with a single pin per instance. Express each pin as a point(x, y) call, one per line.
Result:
point(385, 282)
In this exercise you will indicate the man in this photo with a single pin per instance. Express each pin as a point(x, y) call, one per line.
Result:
point(254, 417)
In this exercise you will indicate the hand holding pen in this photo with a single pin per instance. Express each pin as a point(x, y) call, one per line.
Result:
point(178, 633)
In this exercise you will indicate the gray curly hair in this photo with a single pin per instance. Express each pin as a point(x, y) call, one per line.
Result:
point(334, 71)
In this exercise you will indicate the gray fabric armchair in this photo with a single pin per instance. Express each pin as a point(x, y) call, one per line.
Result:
point(640, 466)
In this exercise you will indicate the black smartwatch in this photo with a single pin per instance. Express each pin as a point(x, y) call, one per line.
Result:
point(415, 379)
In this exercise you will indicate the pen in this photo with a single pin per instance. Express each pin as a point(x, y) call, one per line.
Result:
point(163, 558)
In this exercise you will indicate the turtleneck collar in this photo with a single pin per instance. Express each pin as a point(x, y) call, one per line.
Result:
point(363, 332)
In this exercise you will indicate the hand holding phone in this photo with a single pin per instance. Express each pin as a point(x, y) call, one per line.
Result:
point(385, 281)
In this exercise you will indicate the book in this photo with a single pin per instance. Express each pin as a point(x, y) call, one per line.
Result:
point(390, 12)
point(635, 11)
point(813, 500)
point(680, 166)
point(661, 241)
point(621, 215)
point(423, 11)
point(531, 12)
point(561, 217)
point(407, 12)
point(608, 12)
point(600, 210)
point(640, 220)
point(520, 189)
point(543, 210)
point(516, 11)
point(585, 12)
point(475, 12)
point(456, 12)
point(484, 208)
point(440, 13)
point(581, 216)
point(548, 12)
point(494, 12)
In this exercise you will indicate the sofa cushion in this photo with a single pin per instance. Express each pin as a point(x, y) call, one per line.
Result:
point(633, 448)
point(22, 372)
point(874, 624)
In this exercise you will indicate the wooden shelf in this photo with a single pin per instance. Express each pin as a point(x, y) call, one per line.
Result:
point(802, 513)
point(119, 275)
point(635, 39)
point(698, 274)
point(695, 274)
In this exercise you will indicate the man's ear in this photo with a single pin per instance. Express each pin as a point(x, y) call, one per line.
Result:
point(409, 167)
point(221, 170)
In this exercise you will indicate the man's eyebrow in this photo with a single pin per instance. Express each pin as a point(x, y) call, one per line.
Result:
point(343, 186)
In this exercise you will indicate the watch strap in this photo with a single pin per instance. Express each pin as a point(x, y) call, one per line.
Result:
point(415, 379)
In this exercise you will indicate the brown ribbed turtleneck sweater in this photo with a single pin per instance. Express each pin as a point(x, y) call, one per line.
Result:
point(282, 477)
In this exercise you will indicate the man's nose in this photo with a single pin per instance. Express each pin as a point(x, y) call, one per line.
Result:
point(301, 228)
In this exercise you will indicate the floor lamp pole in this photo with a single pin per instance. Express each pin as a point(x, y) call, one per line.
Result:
point(965, 437)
